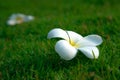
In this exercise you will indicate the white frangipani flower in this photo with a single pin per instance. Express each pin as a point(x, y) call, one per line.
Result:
point(72, 42)
point(18, 19)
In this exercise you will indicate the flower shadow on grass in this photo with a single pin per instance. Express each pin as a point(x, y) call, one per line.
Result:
point(56, 63)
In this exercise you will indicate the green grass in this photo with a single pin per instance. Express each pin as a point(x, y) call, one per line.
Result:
point(27, 54)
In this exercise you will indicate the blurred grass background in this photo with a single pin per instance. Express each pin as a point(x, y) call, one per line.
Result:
point(27, 54)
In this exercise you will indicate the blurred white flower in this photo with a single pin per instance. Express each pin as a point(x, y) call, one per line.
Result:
point(18, 19)
point(72, 42)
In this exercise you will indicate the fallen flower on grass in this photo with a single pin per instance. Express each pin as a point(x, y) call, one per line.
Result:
point(72, 42)
point(19, 18)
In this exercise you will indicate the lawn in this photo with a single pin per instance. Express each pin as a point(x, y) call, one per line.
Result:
point(27, 54)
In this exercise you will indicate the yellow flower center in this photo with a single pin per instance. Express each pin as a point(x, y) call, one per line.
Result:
point(19, 19)
point(74, 44)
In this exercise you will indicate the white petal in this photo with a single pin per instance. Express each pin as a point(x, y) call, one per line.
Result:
point(95, 39)
point(11, 22)
point(84, 43)
point(90, 40)
point(90, 52)
point(74, 37)
point(65, 50)
point(20, 15)
point(13, 16)
point(57, 33)
point(28, 18)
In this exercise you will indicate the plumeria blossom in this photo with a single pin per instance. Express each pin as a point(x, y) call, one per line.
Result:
point(71, 42)
point(19, 18)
